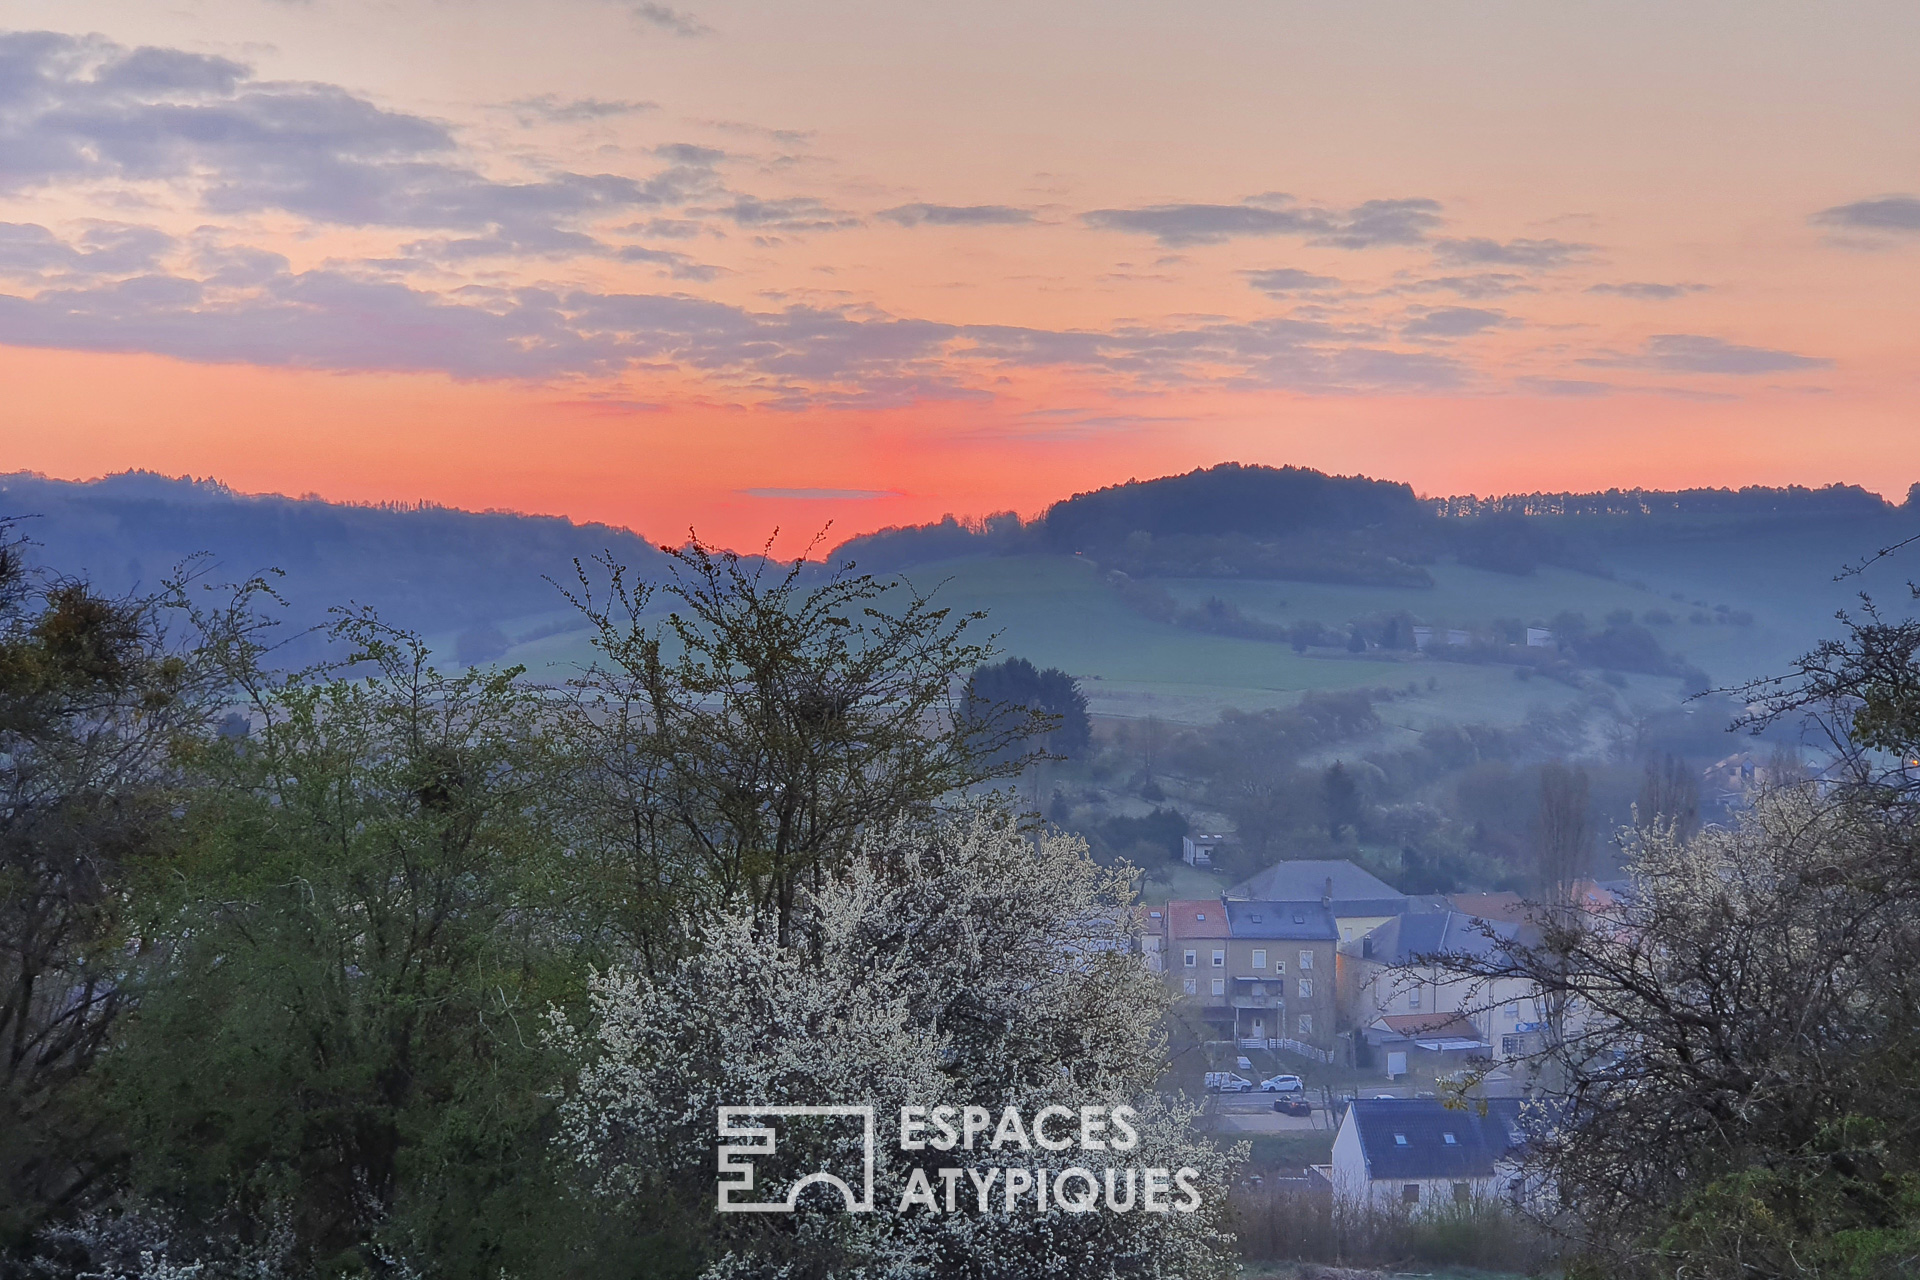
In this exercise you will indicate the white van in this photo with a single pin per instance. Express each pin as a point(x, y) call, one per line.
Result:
point(1228, 1082)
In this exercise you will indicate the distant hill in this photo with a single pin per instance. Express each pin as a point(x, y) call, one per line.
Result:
point(433, 569)
point(1310, 581)
point(1260, 503)
point(1294, 523)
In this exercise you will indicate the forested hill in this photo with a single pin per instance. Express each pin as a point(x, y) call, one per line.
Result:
point(1256, 502)
point(425, 567)
point(1295, 523)
point(475, 582)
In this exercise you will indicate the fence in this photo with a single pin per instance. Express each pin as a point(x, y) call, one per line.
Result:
point(1296, 1047)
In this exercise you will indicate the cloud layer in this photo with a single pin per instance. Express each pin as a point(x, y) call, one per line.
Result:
point(476, 236)
point(1364, 226)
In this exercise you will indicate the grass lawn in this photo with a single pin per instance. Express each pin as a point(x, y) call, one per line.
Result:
point(1057, 611)
point(1290, 1151)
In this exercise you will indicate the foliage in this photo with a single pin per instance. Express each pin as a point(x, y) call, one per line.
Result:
point(1865, 689)
point(735, 750)
point(1565, 830)
point(1016, 683)
point(963, 962)
point(1257, 502)
point(1734, 1046)
point(101, 709)
point(1160, 831)
point(1341, 796)
point(1669, 796)
point(345, 956)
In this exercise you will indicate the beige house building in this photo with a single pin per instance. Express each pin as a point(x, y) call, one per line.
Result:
point(1260, 973)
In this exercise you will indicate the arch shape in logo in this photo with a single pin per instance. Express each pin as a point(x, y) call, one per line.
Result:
point(742, 1139)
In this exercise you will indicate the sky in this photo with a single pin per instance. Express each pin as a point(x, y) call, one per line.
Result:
point(740, 267)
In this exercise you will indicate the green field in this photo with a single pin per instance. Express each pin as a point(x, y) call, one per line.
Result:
point(1057, 611)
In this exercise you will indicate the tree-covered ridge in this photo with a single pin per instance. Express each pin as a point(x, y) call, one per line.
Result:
point(1295, 523)
point(1261, 503)
point(1750, 502)
point(422, 566)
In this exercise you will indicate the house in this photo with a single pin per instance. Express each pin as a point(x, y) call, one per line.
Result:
point(1280, 976)
point(1153, 939)
point(1539, 638)
point(1411, 1012)
point(1418, 1156)
point(1196, 958)
point(1260, 973)
point(1422, 637)
point(1360, 901)
point(1198, 850)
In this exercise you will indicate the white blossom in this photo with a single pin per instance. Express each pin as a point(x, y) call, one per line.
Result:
point(960, 961)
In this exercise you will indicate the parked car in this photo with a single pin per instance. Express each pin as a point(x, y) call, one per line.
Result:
point(1283, 1084)
point(1228, 1082)
point(1293, 1104)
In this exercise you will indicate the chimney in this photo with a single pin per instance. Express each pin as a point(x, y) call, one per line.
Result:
point(1326, 899)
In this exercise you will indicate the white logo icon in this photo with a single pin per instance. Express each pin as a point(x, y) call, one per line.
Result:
point(746, 1140)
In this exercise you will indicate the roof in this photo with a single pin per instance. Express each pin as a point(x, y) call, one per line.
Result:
point(1408, 1137)
point(1203, 919)
point(1305, 880)
point(1589, 895)
point(1305, 921)
point(1404, 939)
point(1510, 907)
point(1448, 1026)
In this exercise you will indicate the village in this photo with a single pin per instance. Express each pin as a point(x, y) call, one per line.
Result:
point(1320, 1008)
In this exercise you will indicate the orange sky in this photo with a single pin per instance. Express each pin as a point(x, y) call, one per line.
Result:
point(740, 266)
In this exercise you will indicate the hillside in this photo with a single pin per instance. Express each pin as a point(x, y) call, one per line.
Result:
point(1728, 584)
point(444, 572)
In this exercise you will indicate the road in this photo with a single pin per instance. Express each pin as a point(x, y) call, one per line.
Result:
point(1253, 1113)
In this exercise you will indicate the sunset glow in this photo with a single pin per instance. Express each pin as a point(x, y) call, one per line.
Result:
point(737, 266)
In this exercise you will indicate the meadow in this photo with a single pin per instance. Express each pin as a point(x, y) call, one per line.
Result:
point(1058, 611)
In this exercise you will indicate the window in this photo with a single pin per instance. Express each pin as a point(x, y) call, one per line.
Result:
point(1410, 1194)
point(1399, 1139)
point(1306, 988)
point(1279, 965)
point(1299, 919)
point(1513, 1046)
point(1306, 1024)
point(1193, 958)
point(1306, 961)
point(1259, 958)
point(1413, 998)
point(1462, 1192)
point(1219, 986)
point(1200, 915)
point(1449, 1139)
point(1219, 959)
point(1346, 933)
point(1191, 986)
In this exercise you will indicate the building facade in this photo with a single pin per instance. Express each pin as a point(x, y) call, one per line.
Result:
point(1261, 974)
point(1417, 1156)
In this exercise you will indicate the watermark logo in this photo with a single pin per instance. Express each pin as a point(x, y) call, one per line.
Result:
point(742, 1139)
point(954, 1160)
